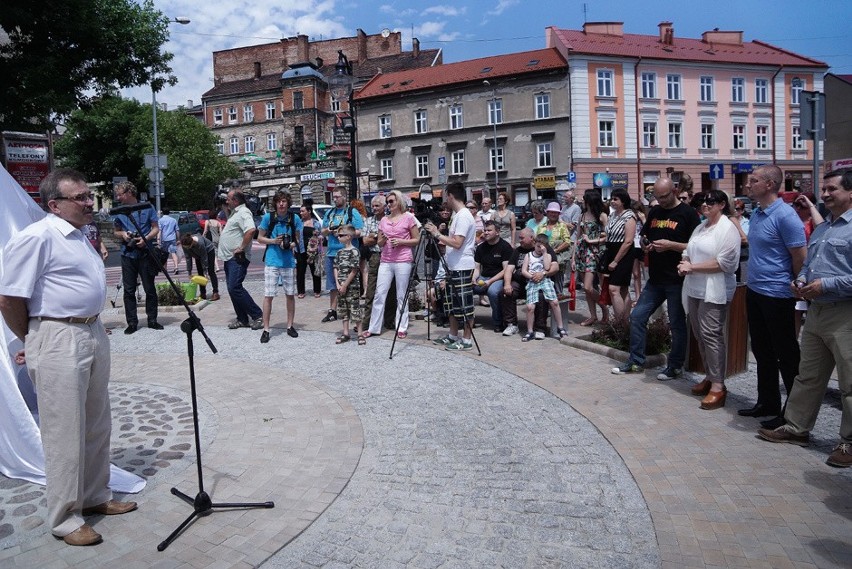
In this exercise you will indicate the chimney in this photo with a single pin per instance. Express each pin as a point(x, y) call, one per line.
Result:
point(717, 36)
point(257, 70)
point(362, 46)
point(666, 33)
point(604, 28)
point(415, 47)
point(319, 63)
point(302, 53)
point(189, 104)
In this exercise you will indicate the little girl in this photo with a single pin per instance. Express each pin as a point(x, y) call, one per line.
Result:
point(535, 263)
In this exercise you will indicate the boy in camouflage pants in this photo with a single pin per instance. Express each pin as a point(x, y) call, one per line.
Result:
point(346, 275)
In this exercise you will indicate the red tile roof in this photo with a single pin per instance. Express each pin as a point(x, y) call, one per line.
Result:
point(511, 65)
point(681, 49)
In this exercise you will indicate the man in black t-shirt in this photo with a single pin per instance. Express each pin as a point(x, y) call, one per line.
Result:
point(515, 287)
point(491, 257)
point(664, 236)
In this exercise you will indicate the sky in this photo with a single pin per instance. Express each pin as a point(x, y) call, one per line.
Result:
point(467, 29)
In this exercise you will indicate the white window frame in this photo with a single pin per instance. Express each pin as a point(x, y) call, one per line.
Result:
point(271, 141)
point(495, 111)
point(457, 162)
point(649, 85)
point(738, 89)
point(220, 146)
point(606, 136)
point(706, 89)
point(385, 126)
point(708, 136)
point(606, 83)
point(796, 93)
point(232, 114)
point(421, 166)
point(386, 168)
point(649, 134)
point(218, 115)
point(542, 106)
point(498, 156)
point(674, 87)
point(456, 113)
point(335, 106)
point(544, 154)
point(675, 135)
point(761, 137)
point(270, 111)
point(738, 138)
point(421, 122)
point(796, 140)
point(234, 145)
point(249, 143)
point(248, 113)
point(761, 90)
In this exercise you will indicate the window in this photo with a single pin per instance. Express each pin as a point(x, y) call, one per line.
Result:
point(761, 91)
point(235, 145)
point(605, 133)
point(706, 84)
point(605, 83)
point(796, 90)
point(217, 116)
point(649, 134)
point(299, 136)
point(385, 126)
point(272, 141)
point(707, 136)
point(495, 158)
point(738, 90)
point(420, 122)
point(335, 106)
point(422, 164)
point(249, 143)
point(739, 140)
point(298, 100)
point(649, 85)
point(220, 146)
point(386, 166)
point(270, 111)
point(248, 113)
point(797, 143)
point(762, 139)
point(675, 135)
point(456, 117)
point(232, 115)
point(495, 111)
point(673, 87)
point(457, 162)
point(544, 153)
point(542, 106)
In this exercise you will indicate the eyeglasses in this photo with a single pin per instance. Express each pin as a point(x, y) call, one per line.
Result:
point(739, 208)
point(79, 198)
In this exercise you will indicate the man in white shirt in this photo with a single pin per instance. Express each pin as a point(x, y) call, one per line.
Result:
point(460, 262)
point(52, 289)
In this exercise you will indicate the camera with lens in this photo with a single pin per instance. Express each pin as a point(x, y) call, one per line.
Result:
point(286, 240)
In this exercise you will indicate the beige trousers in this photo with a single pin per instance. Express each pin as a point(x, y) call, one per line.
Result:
point(69, 365)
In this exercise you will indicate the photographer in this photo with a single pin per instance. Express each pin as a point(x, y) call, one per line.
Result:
point(279, 231)
point(341, 214)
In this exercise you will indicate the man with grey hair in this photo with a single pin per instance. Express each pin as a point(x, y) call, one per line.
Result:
point(371, 243)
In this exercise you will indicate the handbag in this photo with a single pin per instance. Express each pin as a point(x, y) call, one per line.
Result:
point(605, 299)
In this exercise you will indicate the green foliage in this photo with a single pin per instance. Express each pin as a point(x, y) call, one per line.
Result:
point(59, 51)
point(166, 295)
point(617, 335)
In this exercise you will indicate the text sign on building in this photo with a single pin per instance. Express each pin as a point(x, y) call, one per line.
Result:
point(314, 176)
point(601, 179)
point(742, 168)
point(717, 171)
point(619, 180)
point(27, 160)
point(545, 182)
point(572, 177)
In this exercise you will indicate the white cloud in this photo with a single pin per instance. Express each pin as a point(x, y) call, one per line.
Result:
point(502, 6)
point(449, 11)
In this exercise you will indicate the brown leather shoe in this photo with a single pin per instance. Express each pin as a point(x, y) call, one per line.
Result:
point(714, 400)
point(111, 508)
point(702, 388)
point(215, 296)
point(83, 535)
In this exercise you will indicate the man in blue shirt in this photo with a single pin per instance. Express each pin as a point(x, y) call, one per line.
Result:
point(825, 281)
point(169, 236)
point(136, 262)
point(339, 215)
point(777, 251)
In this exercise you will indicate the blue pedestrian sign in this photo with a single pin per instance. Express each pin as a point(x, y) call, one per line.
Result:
point(572, 177)
point(717, 171)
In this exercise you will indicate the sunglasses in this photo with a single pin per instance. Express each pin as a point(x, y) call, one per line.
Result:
point(739, 208)
point(711, 201)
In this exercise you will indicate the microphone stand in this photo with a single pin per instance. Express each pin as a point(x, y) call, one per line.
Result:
point(202, 504)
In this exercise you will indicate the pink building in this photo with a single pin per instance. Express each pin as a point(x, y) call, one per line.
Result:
point(645, 105)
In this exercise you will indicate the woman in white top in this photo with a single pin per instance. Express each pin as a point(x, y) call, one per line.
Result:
point(709, 263)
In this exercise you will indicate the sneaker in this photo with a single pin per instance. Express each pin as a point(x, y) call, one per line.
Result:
point(562, 332)
point(154, 325)
point(539, 335)
point(627, 368)
point(237, 324)
point(257, 324)
point(841, 456)
point(510, 330)
point(292, 332)
point(331, 316)
point(264, 338)
point(670, 373)
point(443, 341)
point(783, 435)
point(459, 346)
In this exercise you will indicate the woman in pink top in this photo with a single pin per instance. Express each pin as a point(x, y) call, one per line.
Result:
point(399, 233)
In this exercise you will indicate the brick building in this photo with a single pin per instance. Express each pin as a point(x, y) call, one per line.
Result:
point(271, 108)
point(644, 103)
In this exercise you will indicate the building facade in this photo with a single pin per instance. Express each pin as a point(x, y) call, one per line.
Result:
point(498, 123)
point(838, 118)
point(714, 108)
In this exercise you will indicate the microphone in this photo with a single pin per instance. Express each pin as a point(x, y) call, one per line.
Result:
point(127, 209)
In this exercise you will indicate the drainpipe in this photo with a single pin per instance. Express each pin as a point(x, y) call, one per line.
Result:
point(570, 123)
point(638, 132)
point(774, 149)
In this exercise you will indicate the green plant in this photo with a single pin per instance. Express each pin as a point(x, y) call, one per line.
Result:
point(166, 295)
point(617, 335)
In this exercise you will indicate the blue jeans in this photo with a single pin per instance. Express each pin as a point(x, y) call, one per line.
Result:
point(244, 305)
point(494, 292)
point(650, 300)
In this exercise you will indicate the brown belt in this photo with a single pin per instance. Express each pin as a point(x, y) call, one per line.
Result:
point(69, 319)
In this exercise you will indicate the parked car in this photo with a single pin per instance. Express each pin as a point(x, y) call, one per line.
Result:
point(319, 210)
point(187, 222)
point(746, 202)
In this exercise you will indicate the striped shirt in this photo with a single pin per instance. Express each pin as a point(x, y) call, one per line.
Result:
point(615, 226)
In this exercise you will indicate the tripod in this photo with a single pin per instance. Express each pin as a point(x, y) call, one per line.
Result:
point(202, 505)
point(426, 240)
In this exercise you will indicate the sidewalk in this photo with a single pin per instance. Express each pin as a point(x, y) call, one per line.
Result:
point(437, 459)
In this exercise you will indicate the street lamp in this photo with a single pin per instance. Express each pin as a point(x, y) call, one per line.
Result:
point(341, 86)
point(494, 123)
point(157, 172)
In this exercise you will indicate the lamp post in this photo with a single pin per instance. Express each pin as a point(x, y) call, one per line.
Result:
point(157, 172)
point(341, 86)
point(494, 124)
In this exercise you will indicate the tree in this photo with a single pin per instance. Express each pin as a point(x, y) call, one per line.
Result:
point(60, 52)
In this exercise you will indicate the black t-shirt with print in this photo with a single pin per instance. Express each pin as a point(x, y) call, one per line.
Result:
point(676, 224)
point(517, 261)
point(491, 257)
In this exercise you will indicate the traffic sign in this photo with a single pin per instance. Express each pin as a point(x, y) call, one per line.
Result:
point(150, 162)
point(717, 171)
point(152, 175)
point(572, 177)
point(442, 162)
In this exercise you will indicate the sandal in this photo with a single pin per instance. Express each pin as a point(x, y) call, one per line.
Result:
point(302, 295)
point(362, 340)
point(402, 335)
point(317, 295)
point(589, 322)
point(527, 337)
point(366, 335)
point(342, 339)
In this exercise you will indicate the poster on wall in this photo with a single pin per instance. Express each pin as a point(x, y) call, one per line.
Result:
point(27, 159)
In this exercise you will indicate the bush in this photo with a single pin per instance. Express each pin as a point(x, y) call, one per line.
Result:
point(617, 335)
point(166, 295)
